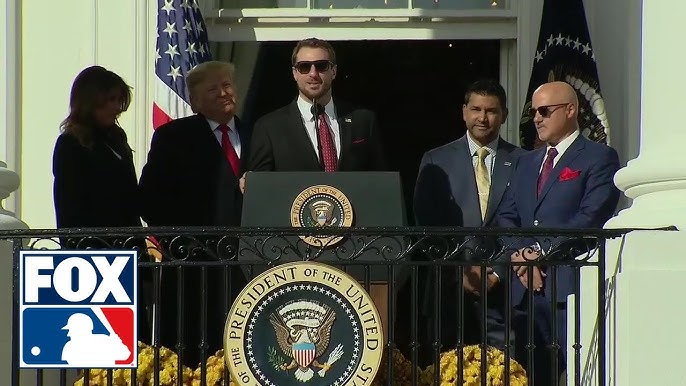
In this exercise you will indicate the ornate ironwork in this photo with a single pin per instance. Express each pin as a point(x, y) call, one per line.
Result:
point(379, 251)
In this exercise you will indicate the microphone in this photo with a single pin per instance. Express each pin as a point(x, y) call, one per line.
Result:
point(316, 110)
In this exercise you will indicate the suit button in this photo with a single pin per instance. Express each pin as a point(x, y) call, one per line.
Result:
point(535, 223)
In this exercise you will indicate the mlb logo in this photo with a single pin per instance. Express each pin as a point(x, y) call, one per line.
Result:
point(78, 309)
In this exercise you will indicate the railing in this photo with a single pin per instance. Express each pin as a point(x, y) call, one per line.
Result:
point(415, 267)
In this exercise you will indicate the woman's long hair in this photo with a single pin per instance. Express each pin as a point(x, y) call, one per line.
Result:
point(90, 90)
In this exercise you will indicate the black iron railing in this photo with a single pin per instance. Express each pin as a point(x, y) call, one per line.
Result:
point(424, 271)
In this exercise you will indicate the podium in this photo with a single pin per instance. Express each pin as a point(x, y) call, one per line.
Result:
point(319, 199)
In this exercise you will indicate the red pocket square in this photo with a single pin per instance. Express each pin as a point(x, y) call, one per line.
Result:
point(569, 174)
point(358, 141)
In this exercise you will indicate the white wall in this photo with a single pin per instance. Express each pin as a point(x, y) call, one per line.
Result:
point(116, 35)
point(615, 27)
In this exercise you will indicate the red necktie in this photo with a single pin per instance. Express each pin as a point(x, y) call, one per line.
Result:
point(547, 169)
point(327, 146)
point(229, 151)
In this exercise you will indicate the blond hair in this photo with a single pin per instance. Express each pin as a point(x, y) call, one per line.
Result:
point(200, 73)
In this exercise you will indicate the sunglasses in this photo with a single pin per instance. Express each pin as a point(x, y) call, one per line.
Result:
point(545, 111)
point(319, 65)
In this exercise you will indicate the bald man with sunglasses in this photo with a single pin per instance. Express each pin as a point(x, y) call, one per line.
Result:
point(568, 183)
point(315, 132)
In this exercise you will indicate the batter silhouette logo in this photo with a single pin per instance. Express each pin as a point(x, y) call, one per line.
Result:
point(78, 309)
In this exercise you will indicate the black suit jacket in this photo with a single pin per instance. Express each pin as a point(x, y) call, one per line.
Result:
point(280, 141)
point(94, 187)
point(187, 179)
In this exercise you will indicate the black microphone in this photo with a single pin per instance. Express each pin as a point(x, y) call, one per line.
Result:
point(317, 110)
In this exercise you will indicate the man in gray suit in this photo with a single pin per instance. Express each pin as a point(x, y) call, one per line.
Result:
point(461, 184)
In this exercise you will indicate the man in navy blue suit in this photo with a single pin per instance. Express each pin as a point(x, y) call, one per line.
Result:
point(461, 184)
point(566, 184)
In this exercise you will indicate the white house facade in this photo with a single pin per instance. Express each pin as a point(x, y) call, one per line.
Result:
point(46, 43)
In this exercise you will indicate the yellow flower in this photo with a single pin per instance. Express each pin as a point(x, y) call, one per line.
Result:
point(471, 373)
point(145, 371)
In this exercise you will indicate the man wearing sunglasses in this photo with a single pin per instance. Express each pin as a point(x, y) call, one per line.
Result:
point(315, 132)
point(460, 184)
point(565, 184)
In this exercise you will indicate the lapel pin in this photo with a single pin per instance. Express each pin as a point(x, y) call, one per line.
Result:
point(348, 120)
point(508, 163)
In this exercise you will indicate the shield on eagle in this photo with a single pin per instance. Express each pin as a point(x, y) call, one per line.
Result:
point(304, 353)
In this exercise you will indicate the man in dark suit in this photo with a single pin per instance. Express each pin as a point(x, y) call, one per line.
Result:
point(461, 184)
point(566, 184)
point(314, 132)
point(191, 179)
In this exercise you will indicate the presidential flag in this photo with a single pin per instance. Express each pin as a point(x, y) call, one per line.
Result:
point(564, 53)
point(181, 45)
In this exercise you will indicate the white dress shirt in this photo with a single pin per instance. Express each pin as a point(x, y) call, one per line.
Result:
point(305, 108)
point(233, 134)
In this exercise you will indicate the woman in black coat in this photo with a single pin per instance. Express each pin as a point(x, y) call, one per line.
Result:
point(95, 180)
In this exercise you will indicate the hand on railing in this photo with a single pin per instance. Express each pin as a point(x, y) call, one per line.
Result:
point(523, 255)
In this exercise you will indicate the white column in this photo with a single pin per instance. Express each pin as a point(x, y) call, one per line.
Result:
point(9, 182)
point(646, 269)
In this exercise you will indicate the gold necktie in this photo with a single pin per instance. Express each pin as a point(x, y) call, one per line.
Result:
point(483, 180)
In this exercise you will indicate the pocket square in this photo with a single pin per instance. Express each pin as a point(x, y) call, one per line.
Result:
point(358, 141)
point(569, 174)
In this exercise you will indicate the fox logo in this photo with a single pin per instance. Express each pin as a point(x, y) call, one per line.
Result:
point(78, 309)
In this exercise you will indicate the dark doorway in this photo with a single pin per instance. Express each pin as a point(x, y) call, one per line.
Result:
point(416, 88)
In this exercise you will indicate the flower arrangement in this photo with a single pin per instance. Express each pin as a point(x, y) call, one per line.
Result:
point(402, 370)
point(168, 371)
point(495, 375)
point(216, 368)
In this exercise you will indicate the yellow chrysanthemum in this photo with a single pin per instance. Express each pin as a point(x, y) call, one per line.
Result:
point(471, 373)
point(168, 374)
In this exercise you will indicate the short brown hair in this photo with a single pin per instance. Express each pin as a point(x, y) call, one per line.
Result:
point(314, 43)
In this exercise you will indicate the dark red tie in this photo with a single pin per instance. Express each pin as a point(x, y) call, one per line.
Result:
point(327, 146)
point(547, 169)
point(229, 151)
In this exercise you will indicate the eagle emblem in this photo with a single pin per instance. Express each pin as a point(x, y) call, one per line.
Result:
point(322, 213)
point(303, 331)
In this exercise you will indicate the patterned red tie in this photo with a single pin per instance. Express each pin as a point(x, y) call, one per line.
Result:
point(547, 169)
point(229, 151)
point(327, 146)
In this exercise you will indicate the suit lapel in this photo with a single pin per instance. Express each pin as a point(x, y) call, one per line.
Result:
point(570, 155)
point(206, 135)
point(345, 125)
point(530, 174)
point(502, 168)
point(300, 136)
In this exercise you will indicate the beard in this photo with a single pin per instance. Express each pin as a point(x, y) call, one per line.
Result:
point(317, 93)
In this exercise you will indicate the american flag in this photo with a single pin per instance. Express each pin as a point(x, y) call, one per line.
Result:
point(181, 45)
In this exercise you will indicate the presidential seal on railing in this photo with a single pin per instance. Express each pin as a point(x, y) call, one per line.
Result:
point(321, 206)
point(303, 323)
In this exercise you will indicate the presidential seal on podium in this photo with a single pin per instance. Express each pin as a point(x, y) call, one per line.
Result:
point(303, 323)
point(321, 206)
